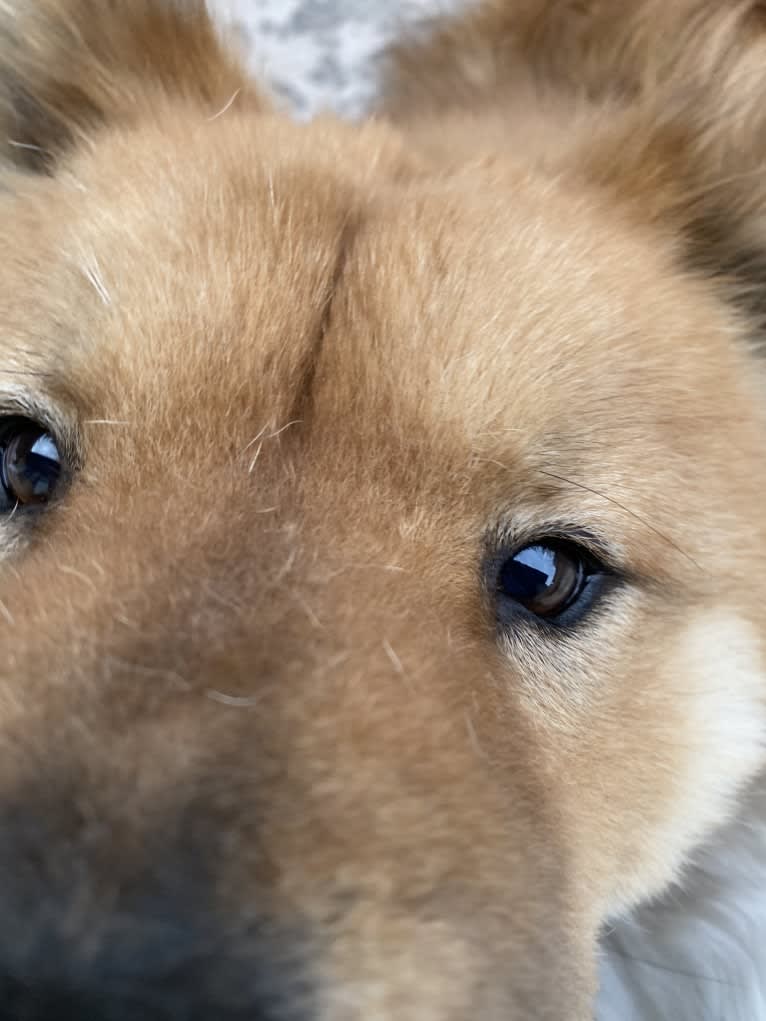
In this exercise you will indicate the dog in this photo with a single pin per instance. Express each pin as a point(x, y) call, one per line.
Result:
point(383, 534)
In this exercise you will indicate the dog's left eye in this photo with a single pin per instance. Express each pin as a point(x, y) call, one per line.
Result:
point(549, 579)
point(30, 464)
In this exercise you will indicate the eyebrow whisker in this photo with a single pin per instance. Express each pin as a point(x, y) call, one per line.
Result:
point(627, 510)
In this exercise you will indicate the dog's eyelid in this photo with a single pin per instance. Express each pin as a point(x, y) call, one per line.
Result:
point(510, 536)
point(602, 552)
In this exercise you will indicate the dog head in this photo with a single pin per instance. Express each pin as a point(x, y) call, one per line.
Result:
point(383, 547)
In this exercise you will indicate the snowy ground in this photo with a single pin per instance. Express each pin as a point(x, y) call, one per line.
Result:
point(321, 53)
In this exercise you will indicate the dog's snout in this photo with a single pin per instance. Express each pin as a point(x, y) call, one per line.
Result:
point(96, 926)
point(23, 1001)
point(30, 1001)
point(135, 978)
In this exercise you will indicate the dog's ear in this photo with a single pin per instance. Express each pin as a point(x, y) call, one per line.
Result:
point(688, 150)
point(674, 97)
point(478, 56)
point(70, 66)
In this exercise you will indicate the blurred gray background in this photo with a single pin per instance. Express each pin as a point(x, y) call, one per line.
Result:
point(321, 54)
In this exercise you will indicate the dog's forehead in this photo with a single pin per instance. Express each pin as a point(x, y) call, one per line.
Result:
point(542, 318)
point(251, 266)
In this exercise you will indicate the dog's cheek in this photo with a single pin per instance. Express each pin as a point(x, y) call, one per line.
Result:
point(711, 741)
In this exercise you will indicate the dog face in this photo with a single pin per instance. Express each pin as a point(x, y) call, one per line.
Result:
point(383, 556)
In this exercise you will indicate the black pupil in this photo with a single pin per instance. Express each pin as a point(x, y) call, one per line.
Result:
point(31, 465)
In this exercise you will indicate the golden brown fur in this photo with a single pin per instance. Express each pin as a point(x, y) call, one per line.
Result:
point(308, 382)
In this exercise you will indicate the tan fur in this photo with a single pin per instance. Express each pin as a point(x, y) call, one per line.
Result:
point(307, 379)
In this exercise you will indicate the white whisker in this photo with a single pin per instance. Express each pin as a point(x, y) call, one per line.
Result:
point(389, 650)
point(226, 106)
point(255, 458)
point(92, 274)
point(25, 145)
point(234, 701)
point(65, 569)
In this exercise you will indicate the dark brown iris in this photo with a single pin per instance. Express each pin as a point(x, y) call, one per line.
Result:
point(30, 464)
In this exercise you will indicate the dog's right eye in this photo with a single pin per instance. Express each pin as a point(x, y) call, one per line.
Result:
point(552, 580)
point(30, 464)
